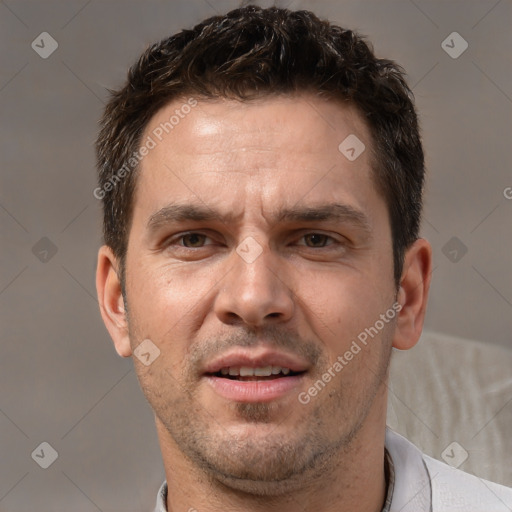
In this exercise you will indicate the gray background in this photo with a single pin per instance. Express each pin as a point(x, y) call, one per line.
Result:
point(60, 378)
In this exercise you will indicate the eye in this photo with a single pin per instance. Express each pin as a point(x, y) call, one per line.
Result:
point(317, 240)
point(192, 240)
point(192, 245)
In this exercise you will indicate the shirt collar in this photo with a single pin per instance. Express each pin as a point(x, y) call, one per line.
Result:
point(161, 499)
point(412, 488)
point(390, 480)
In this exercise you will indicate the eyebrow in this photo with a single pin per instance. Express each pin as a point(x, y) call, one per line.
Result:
point(336, 212)
point(332, 212)
point(184, 212)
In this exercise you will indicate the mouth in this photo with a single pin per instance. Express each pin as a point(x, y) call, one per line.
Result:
point(259, 376)
point(248, 374)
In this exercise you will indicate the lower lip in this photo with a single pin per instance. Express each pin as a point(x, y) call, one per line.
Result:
point(254, 391)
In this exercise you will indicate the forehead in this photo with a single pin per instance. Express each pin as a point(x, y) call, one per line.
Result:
point(295, 125)
point(275, 150)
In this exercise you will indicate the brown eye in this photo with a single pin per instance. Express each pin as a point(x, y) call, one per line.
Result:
point(316, 240)
point(193, 240)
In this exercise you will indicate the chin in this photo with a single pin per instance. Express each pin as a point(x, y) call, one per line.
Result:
point(258, 488)
point(264, 466)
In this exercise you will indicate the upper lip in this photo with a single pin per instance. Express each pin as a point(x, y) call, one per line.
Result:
point(256, 358)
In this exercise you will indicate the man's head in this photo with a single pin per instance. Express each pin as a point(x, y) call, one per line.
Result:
point(253, 53)
point(268, 241)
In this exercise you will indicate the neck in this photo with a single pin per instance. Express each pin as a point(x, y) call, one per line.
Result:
point(350, 479)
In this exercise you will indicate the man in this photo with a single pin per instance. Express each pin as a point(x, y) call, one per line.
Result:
point(261, 177)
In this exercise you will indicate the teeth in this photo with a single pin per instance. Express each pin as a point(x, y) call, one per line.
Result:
point(263, 372)
point(245, 371)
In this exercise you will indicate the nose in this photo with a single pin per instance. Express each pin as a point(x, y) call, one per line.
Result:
point(254, 292)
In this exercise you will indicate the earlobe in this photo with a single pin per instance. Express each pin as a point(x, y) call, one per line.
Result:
point(413, 294)
point(110, 298)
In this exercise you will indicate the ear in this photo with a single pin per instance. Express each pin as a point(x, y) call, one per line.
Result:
point(110, 297)
point(413, 294)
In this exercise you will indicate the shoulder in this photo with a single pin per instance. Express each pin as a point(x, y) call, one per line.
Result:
point(454, 490)
point(424, 484)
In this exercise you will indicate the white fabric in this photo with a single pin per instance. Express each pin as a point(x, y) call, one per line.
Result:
point(449, 389)
point(456, 491)
point(412, 492)
point(450, 489)
point(161, 505)
point(423, 484)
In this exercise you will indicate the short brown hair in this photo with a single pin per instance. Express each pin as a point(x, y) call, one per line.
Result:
point(249, 53)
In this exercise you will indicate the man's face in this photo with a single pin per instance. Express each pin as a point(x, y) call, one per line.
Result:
point(257, 244)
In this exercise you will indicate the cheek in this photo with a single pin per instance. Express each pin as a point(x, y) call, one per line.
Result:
point(167, 305)
point(338, 306)
point(163, 294)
